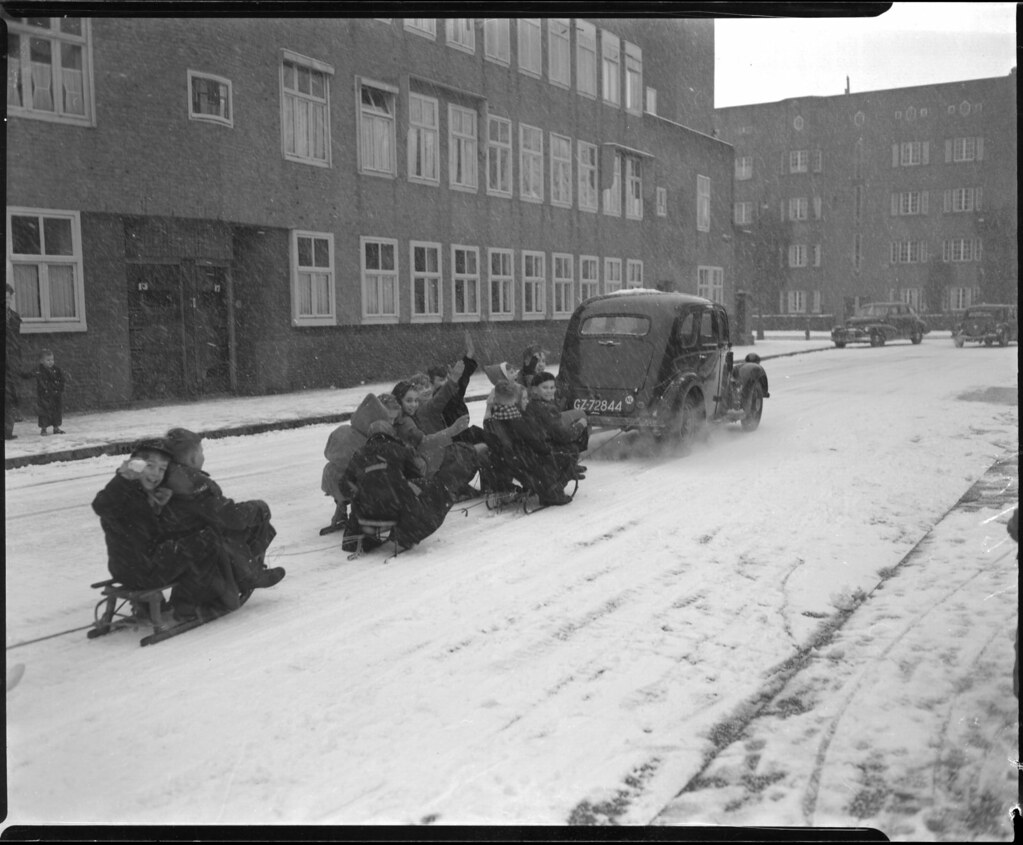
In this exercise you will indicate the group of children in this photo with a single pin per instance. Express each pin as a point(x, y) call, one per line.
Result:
point(408, 456)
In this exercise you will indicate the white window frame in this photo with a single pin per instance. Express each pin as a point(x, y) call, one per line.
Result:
point(20, 73)
point(534, 286)
point(796, 302)
point(426, 27)
point(633, 78)
point(612, 275)
point(530, 163)
point(633, 188)
point(563, 284)
point(559, 52)
point(589, 277)
point(463, 159)
point(384, 281)
point(497, 40)
point(587, 164)
point(460, 33)
point(561, 171)
point(702, 203)
point(799, 208)
point(499, 157)
point(743, 168)
point(296, 103)
point(710, 283)
point(959, 298)
point(662, 202)
point(502, 284)
point(465, 284)
point(587, 70)
point(633, 273)
point(420, 131)
point(612, 195)
point(964, 149)
point(431, 281)
point(371, 159)
point(964, 200)
point(910, 153)
point(611, 68)
point(799, 161)
point(798, 255)
point(226, 115)
point(743, 213)
point(304, 275)
point(960, 250)
point(530, 31)
point(44, 262)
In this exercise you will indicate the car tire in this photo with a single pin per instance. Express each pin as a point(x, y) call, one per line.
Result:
point(988, 341)
point(753, 405)
point(839, 344)
point(958, 341)
point(916, 338)
point(690, 423)
point(877, 339)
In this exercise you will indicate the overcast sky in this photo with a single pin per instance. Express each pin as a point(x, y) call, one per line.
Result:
point(764, 60)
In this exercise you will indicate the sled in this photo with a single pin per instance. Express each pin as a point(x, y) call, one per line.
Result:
point(524, 497)
point(123, 607)
point(380, 530)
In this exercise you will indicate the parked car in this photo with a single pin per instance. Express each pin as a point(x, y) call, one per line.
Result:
point(987, 324)
point(878, 322)
point(657, 361)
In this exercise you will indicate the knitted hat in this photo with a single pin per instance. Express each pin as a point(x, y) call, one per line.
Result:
point(540, 378)
point(400, 389)
point(181, 442)
point(144, 447)
point(500, 372)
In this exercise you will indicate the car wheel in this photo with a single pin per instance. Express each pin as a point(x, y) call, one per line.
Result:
point(958, 341)
point(691, 419)
point(877, 339)
point(753, 405)
point(839, 344)
point(987, 341)
point(916, 338)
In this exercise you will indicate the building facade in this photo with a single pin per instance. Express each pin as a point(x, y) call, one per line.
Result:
point(204, 206)
point(906, 194)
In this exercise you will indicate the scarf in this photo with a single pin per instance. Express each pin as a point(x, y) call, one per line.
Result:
point(505, 412)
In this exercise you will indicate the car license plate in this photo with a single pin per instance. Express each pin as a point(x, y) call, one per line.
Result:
point(600, 406)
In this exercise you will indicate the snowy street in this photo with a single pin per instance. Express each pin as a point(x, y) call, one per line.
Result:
point(765, 632)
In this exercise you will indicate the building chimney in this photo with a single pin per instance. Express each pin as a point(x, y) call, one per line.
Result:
point(847, 85)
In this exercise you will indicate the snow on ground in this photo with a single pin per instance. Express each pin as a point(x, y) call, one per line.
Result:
point(764, 632)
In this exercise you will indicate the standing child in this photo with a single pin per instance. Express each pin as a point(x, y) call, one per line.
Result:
point(50, 381)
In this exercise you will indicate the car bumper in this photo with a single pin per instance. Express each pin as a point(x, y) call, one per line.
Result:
point(850, 336)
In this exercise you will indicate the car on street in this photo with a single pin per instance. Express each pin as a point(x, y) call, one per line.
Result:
point(877, 323)
point(641, 359)
point(987, 324)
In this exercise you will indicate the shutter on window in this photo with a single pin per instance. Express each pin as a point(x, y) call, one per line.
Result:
point(927, 152)
point(976, 249)
point(948, 152)
point(895, 205)
point(782, 162)
point(944, 251)
point(891, 252)
point(976, 199)
point(606, 173)
point(980, 149)
point(895, 155)
point(947, 207)
point(923, 202)
point(923, 252)
point(782, 209)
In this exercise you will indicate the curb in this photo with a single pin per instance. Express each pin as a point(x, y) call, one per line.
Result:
point(123, 447)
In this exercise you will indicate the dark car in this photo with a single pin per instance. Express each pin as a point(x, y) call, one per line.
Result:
point(878, 322)
point(657, 361)
point(987, 324)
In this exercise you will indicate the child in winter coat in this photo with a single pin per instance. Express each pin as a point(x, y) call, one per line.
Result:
point(345, 441)
point(534, 362)
point(566, 431)
point(434, 448)
point(519, 447)
point(50, 381)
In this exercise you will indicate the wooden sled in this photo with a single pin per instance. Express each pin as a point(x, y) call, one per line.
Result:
point(374, 529)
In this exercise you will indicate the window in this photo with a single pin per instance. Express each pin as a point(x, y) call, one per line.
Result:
point(960, 249)
point(312, 279)
point(499, 156)
point(959, 298)
point(612, 275)
point(743, 167)
point(798, 123)
point(818, 161)
point(559, 53)
point(461, 34)
point(909, 203)
point(209, 98)
point(497, 40)
point(425, 262)
point(613, 193)
point(798, 161)
point(465, 283)
point(962, 199)
point(633, 78)
point(44, 255)
point(633, 188)
point(610, 51)
point(561, 171)
point(530, 163)
point(743, 215)
point(379, 280)
point(796, 302)
point(703, 203)
point(911, 153)
point(423, 144)
point(798, 208)
point(376, 130)
point(534, 283)
point(912, 296)
point(564, 283)
point(589, 284)
point(662, 202)
point(965, 149)
point(586, 58)
point(502, 284)
point(710, 283)
point(462, 166)
point(634, 273)
point(426, 27)
point(49, 69)
point(306, 105)
point(797, 255)
point(529, 45)
point(588, 185)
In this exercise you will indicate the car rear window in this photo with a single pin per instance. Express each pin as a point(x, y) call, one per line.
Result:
point(616, 324)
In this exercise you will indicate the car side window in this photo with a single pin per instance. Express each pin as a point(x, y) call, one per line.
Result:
point(707, 329)
point(686, 331)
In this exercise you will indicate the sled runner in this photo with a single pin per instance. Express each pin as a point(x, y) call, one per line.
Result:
point(378, 531)
point(523, 496)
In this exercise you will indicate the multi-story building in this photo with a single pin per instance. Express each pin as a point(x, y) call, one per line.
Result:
point(906, 194)
point(201, 205)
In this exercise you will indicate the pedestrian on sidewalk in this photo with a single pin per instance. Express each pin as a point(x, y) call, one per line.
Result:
point(12, 367)
point(50, 382)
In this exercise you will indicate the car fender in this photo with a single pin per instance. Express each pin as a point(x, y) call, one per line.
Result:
point(680, 388)
point(746, 372)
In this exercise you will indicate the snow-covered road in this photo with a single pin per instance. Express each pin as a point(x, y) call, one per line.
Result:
point(586, 664)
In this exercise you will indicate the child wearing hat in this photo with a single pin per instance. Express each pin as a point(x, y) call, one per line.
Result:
point(567, 432)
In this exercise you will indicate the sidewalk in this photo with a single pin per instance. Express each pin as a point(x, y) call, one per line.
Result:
point(91, 434)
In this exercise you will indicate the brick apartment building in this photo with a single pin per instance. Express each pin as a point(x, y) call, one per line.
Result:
point(203, 206)
point(905, 194)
